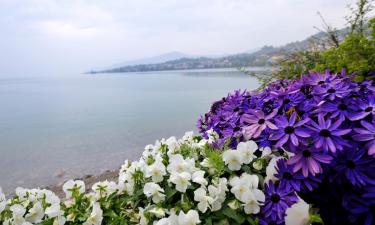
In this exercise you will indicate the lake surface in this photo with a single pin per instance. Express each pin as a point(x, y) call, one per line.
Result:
point(86, 124)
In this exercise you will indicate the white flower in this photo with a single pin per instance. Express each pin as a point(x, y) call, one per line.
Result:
point(245, 189)
point(178, 164)
point(2, 201)
point(200, 195)
point(240, 187)
point(21, 192)
point(125, 166)
point(190, 218)
point(298, 214)
point(157, 211)
point(252, 206)
point(17, 214)
point(271, 170)
point(51, 197)
point(198, 177)
point(156, 171)
point(171, 220)
point(60, 220)
point(266, 151)
point(164, 221)
point(172, 144)
point(54, 210)
point(218, 194)
point(96, 215)
point(233, 159)
point(212, 136)
point(126, 182)
point(188, 136)
point(211, 168)
point(181, 180)
point(104, 188)
point(71, 185)
point(247, 149)
point(155, 191)
point(142, 218)
point(36, 213)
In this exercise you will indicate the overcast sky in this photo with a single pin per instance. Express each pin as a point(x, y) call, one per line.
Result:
point(49, 37)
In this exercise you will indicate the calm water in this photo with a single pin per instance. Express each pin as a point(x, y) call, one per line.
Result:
point(90, 123)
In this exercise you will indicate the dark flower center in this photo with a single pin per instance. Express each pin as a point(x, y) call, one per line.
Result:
point(261, 121)
point(350, 164)
point(236, 129)
point(306, 153)
point(310, 96)
point(342, 106)
point(347, 137)
point(222, 119)
point(368, 109)
point(321, 82)
point(325, 133)
point(286, 101)
point(289, 130)
point(275, 198)
point(331, 91)
point(287, 176)
point(236, 109)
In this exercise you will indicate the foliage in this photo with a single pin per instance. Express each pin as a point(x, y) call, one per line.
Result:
point(325, 124)
point(355, 53)
point(179, 182)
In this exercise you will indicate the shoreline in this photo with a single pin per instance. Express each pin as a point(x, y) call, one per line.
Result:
point(89, 180)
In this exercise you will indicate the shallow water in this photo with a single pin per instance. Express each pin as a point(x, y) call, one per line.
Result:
point(87, 124)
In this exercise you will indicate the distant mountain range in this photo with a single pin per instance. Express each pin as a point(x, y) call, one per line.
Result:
point(265, 56)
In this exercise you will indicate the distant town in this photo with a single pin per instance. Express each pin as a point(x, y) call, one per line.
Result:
point(265, 56)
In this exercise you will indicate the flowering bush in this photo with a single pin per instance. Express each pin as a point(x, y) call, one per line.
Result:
point(179, 182)
point(280, 156)
point(324, 123)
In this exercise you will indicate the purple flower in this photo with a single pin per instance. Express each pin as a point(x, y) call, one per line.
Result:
point(308, 160)
point(365, 108)
point(321, 78)
point(362, 207)
point(278, 200)
point(255, 122)
point(287, 177)
point(263, 140)
point(355, 165)
point(327, 135)
point(289, 130)
point(367, 134)
point(339, 109)
point(333, 90)
point(291, 100)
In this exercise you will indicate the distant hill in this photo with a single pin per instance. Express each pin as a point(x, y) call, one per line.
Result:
point(156, 59)
point(265, 56)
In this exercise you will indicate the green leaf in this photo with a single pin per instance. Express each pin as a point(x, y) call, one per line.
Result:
point(234, 215)
point(316, 219)
point(170, 192)
point(208, 221)
point(252, 221)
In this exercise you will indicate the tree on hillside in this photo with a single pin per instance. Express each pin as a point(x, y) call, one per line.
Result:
point(355, 52)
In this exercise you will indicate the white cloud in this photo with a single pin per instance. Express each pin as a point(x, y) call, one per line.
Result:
point(80, 34)
point(63, 29)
